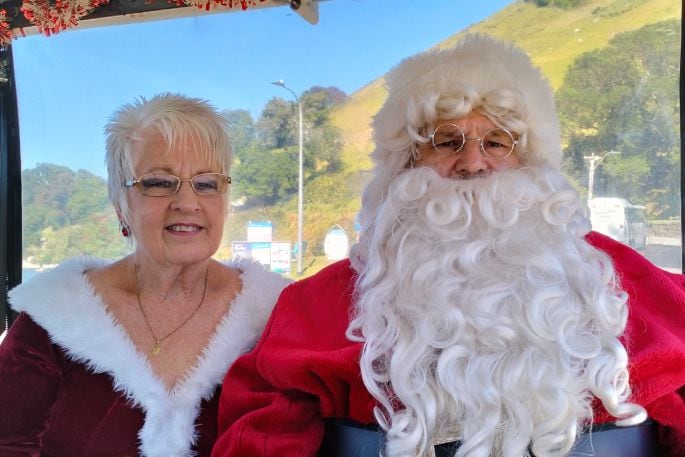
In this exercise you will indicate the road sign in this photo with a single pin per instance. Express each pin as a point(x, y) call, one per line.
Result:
point(336, 243)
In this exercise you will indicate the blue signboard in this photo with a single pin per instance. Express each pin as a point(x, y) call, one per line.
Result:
point(275, 255)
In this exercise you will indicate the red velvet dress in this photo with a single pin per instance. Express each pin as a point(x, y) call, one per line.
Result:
point(73, 384)
point(53, 406)
point(304, 369)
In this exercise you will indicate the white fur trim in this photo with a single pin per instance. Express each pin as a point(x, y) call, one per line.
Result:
point(64, 303)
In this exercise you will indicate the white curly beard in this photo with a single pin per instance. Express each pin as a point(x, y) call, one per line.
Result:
point(485, 313)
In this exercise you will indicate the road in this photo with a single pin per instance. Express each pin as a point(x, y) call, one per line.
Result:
point(664, 252)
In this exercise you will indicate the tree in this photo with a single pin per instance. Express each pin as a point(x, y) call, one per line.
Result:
point(241, 128)
point(323, 146)
point(318, 102)
point(623, 98)
point(88, 196)
point(46, 190)
point(265, 176)
point(277, 127)
point(54, 245)
point(266, 169)
point(65, 214)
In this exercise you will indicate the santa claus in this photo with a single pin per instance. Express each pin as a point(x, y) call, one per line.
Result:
point(477, 309)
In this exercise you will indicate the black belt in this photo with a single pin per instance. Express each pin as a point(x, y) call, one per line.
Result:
point(345, 438)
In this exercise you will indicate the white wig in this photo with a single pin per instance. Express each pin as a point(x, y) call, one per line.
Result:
point(479, 73)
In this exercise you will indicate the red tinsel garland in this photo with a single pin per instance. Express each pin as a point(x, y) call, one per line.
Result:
point(65, 14)
point(5, 32)
point(208, 4)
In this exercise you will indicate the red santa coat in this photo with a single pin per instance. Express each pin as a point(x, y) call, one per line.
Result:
point(304, 369)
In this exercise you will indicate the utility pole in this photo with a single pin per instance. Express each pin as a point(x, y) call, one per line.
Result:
point(594, 160)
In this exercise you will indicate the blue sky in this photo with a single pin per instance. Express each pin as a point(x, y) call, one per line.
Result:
point(70, 83)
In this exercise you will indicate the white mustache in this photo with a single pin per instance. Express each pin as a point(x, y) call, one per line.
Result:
point(499, 199)
point(468, 175)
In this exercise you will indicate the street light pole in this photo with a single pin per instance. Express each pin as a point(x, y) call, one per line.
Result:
point(300, 221)
point(594, 160)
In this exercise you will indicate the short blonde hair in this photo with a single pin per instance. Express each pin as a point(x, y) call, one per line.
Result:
point(177, 118)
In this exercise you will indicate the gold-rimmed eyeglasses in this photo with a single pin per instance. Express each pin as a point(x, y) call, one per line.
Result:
point(164, 185)
point(450, 139)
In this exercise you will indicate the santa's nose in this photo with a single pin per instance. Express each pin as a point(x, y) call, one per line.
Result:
point(471, 161)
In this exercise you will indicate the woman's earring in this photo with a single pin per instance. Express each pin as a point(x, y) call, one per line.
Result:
point(125, 230)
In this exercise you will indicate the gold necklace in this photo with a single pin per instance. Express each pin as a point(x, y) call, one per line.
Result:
point(156, 348)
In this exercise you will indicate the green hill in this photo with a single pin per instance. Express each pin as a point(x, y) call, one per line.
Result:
point(553, 37)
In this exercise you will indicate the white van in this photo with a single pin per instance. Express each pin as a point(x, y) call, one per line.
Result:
point(622, 221)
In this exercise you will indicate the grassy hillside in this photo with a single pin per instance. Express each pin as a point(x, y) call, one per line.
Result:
point(553, 38)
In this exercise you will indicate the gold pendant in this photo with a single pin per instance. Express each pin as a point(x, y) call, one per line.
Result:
point(155, 349)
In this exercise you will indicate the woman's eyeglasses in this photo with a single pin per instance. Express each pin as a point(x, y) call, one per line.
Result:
point(156, 185)
point(449, 139)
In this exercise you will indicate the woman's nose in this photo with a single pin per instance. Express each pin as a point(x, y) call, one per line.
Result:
point(186, 199)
